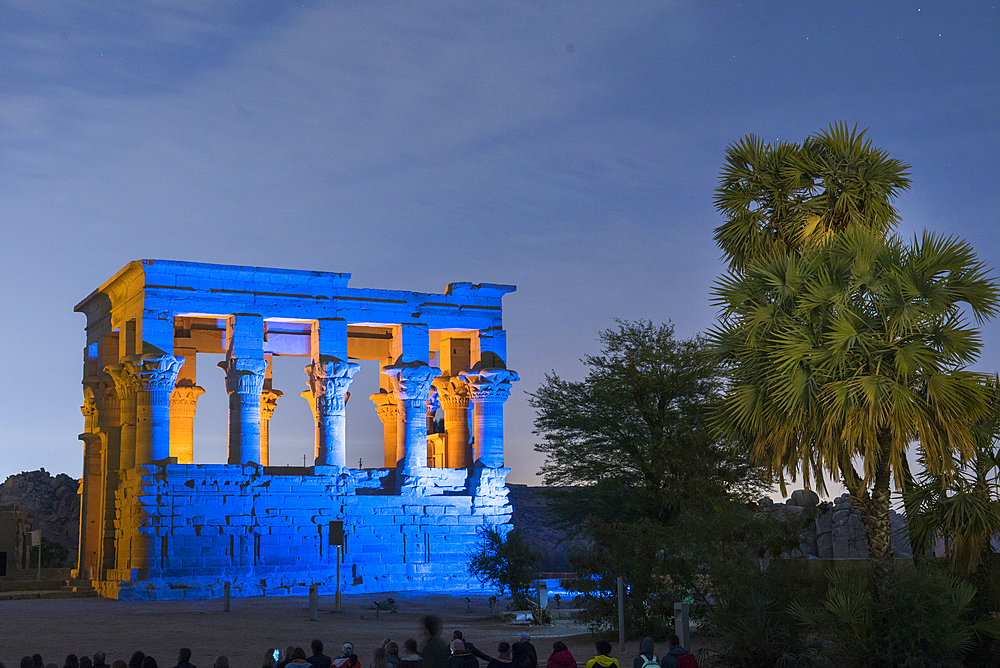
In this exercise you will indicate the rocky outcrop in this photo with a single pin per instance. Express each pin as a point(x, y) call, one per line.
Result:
point(52, 502)
point(832, 530)
point(533, 517)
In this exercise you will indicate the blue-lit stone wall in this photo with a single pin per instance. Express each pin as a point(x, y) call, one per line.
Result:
point(185, 530)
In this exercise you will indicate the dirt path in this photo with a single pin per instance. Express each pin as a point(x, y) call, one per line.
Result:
point(55, 628)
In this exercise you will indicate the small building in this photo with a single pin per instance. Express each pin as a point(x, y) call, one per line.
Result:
point(155, 525)
point(15, 523)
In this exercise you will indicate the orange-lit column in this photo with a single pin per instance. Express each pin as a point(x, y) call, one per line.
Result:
point(183, 402)
point(385, 405)
point(109, 424)
point(125, 388)
point(268, 402)
point(453, 393)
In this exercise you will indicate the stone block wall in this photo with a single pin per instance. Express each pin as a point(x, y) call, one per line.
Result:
point(187, 529)
point(835, 530)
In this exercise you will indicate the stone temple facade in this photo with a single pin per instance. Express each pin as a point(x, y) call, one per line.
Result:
point(156, 526)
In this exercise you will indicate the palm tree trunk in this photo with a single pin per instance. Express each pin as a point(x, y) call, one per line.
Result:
point(874, 508)
point(879, 528)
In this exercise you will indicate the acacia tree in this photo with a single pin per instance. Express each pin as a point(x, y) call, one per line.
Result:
point(847, 352)
point(631, 462)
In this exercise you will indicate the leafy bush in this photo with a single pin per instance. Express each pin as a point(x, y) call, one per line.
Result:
point(505, 562)
point(750, 619)
point(929, 623)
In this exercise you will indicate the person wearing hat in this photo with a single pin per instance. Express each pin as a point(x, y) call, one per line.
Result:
point(524, 639)
point(344, 660)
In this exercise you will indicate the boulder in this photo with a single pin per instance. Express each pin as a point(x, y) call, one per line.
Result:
point(804, 498)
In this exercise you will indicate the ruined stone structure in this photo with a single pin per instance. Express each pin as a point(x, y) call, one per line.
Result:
point(834, 530)
point(155, 525)
point(15, 523)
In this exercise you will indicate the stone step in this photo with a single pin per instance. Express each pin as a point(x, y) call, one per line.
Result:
point(46, 594)
point(30, 585)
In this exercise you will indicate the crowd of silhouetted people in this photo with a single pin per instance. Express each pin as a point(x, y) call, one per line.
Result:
point(434, 652)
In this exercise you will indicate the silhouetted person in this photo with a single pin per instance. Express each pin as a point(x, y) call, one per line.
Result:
point(646, 657)
point(100, 660)
point(136, 660)
point(603, 658)
point(183, 659)
point(344, 660)
point(502, 659)
point(410, 658)
point(36, 660)
point(318, 659)
point(222, 661)
point(435, 651)
point(677, 655)
point(561, 657)
point(520, 657)
point(149, 662)
point(392, 654)
point(26, 662)
point(461, 657)
point(298, 657)
point(524, 638)
point(85, 662)
point(71, 661)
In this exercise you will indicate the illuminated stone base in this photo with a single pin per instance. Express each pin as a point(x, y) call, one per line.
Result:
point(182, 531)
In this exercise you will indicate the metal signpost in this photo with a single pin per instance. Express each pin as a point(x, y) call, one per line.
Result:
point(337, 538)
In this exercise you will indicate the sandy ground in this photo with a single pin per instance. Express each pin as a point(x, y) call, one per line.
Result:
point(55, 628)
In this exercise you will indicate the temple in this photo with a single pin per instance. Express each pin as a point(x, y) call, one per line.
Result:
point(154, 525)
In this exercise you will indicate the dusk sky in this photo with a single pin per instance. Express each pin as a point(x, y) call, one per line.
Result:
point(569, 148)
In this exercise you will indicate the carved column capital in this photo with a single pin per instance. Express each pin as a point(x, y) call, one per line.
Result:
point(244, 375)
point(184, 400)
point(89, 407)
point(385, 406)
point(268, 402)
point(453, 391)
point(156, 374)
point(412, 380)
point(329, 379)
point(488, 390)
point(124, 380)
point(108, 406)
point(489, 385)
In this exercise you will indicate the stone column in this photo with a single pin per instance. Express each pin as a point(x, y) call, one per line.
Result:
point(154, 379)
point(433, 403)
point(90, 487)
point(488, 390)
point(329, 379)
point(268, 402)
point(244, 382)
point(109, 424)
point(125, 388)
point(412, 383)
point(385, 405)
point(453, 393)
point(183, 401)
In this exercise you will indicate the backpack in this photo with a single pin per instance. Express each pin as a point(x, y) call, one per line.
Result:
point(650, 663)
point(687, 661)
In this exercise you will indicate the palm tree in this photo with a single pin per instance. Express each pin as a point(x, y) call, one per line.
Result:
point(845, 352)
point(964, 509)
point(778, 199)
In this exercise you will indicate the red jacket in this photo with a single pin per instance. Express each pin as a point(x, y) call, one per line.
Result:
point(561, 659)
